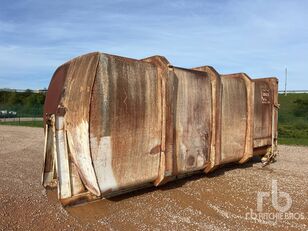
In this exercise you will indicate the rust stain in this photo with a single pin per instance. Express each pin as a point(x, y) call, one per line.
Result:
point(191, 161)
point(155, 150)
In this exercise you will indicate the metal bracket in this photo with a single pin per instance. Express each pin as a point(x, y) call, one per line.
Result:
point(269, 157)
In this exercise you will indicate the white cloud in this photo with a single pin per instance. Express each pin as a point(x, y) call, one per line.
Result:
point(259, 37)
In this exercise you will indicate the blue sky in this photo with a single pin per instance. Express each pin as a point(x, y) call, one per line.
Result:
point(260, 38)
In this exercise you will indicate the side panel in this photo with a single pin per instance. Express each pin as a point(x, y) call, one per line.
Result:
point(169, 89)
point(193, 120)
point(234, 119)
point(266, 115)
point(215, 153)
point(263, 114)
point(125, 123)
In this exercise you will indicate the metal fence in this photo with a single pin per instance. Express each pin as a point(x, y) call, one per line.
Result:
point(17, 107)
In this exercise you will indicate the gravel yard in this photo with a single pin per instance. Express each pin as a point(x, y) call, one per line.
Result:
point(223, 200)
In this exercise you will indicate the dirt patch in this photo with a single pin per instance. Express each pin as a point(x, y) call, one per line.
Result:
point(217, 201)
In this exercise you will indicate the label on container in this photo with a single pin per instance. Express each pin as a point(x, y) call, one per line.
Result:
point(266, 96)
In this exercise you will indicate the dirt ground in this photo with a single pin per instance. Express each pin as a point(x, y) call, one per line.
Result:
point(224, 200)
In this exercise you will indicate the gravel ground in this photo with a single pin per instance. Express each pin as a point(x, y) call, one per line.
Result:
point(223, 200)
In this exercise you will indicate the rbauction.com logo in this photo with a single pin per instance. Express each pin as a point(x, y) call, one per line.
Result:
point(282, 208)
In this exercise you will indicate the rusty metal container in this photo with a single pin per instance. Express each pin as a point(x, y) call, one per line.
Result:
point(115, 124)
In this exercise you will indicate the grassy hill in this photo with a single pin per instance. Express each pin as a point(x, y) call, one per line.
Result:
point(293, 119)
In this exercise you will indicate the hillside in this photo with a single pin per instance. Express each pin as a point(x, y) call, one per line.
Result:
point(293, 119)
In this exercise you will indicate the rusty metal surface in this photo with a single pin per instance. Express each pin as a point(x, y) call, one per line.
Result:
point(115, 124)
point(266, 117)
point(264, 102)
point(49, 169)
point(237, 118)
point(166, 165)
point(215, 139)
point(262, 113)
point(125, 123)
point(193, 120)
point(55, 90)
point(75, 103)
